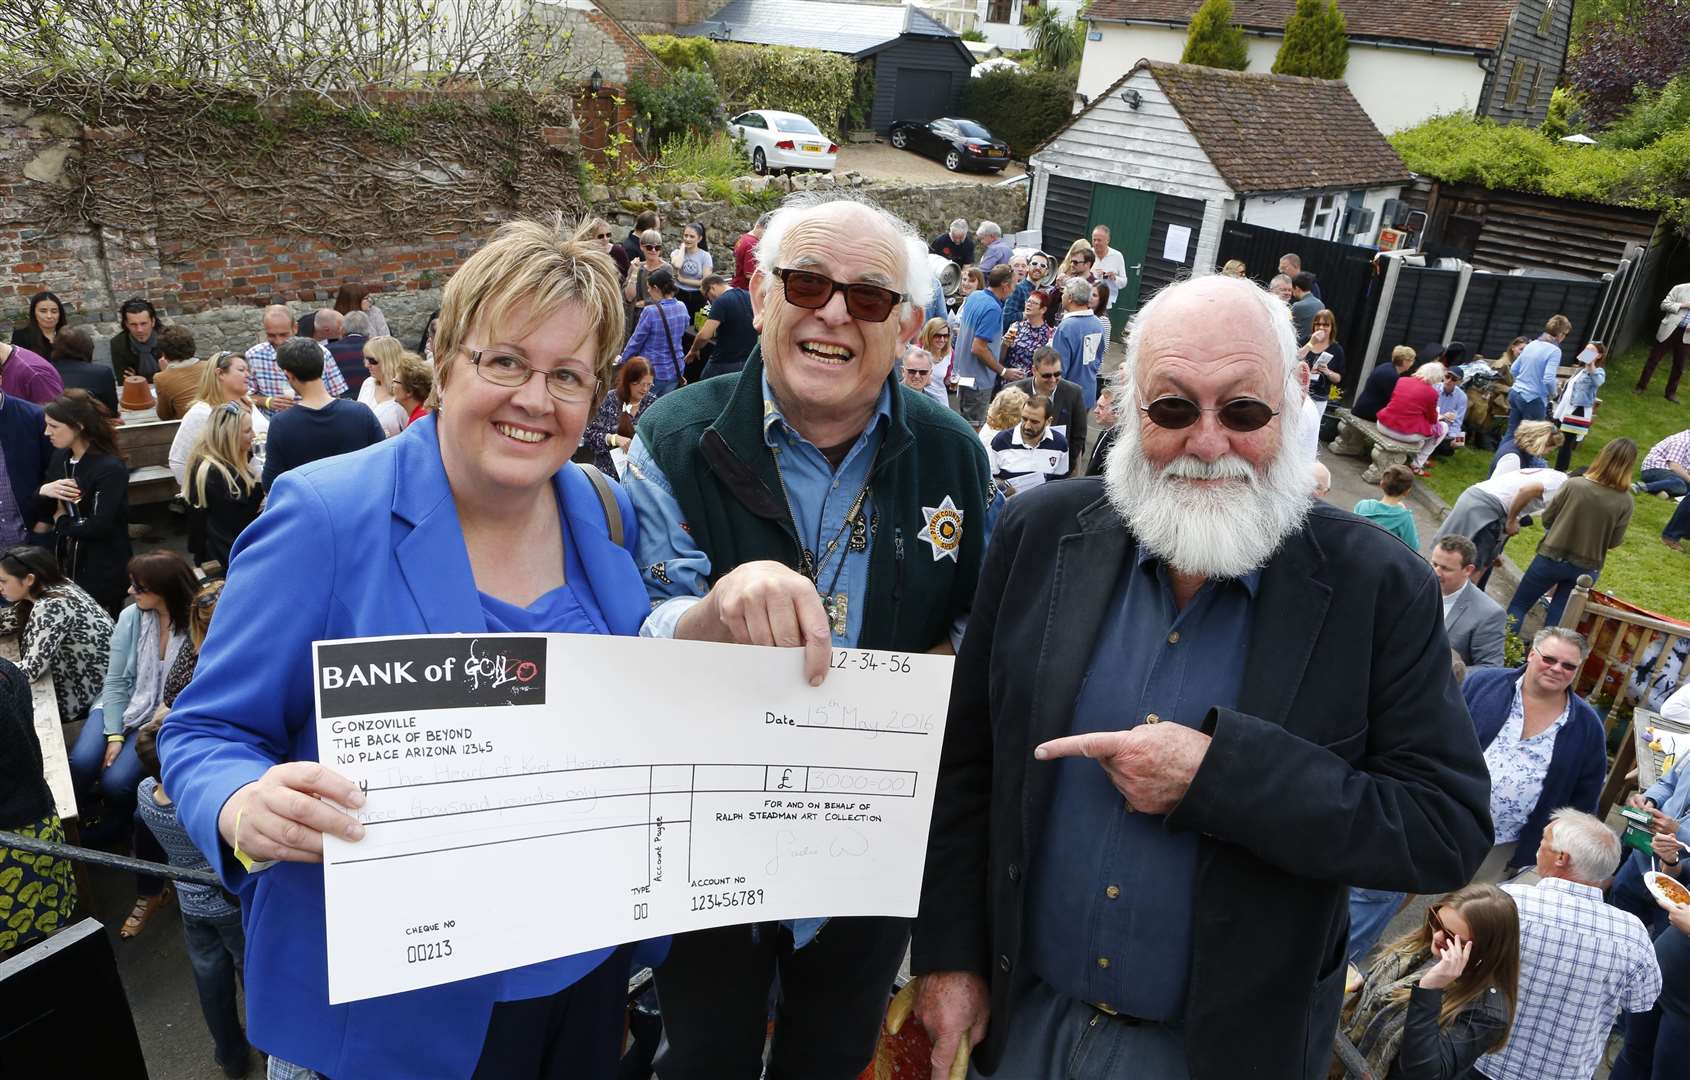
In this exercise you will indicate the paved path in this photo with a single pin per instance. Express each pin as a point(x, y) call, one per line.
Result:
point(879, 161)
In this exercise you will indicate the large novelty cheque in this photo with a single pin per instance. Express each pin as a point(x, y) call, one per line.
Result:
point(534, 796)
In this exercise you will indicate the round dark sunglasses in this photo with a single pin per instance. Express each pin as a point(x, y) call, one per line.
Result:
point(870, 303)
point(1239, 414)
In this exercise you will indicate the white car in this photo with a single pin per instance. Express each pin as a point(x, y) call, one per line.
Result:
point(782, 140)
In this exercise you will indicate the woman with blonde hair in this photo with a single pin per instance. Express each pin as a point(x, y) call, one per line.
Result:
point(1002, 414)
point(412, 383)
point(1443, 995)
point(485, 526)
point(1526, 447)
point(223, 381)
point(1233, 268)
point(1585, 520)
point(222, 487)
point(381, 357)
point(935, 337)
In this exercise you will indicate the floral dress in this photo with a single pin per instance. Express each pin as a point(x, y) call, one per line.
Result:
point(1028, 340)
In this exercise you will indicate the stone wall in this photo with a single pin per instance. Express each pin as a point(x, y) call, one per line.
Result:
point(929, 208)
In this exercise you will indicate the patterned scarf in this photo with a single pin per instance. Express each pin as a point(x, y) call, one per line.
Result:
point(1376, 1027)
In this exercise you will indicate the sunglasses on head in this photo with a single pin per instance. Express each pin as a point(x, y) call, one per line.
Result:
point(870, 303)
point(1239, 414)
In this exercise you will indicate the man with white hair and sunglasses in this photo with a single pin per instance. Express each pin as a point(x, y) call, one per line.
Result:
point(1230, 704)
point(809, 502)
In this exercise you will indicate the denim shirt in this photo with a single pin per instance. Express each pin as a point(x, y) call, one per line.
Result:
point(1534, 370)
point(820, 497)
point(1110, 895)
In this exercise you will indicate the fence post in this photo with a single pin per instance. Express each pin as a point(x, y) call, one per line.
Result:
point(1575, 604)
point(1456, 304)
point(1393, 268)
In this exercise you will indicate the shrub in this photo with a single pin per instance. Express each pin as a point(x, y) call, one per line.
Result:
point(1564, 116)
point(1644, 45)
point(1315, 42)
point(710, 156)
point(973, 35)
point(682, 53)
point(681, 102)
point(1214, 39)
point(817, 84)
point(1021, 108)
point(1653, 116)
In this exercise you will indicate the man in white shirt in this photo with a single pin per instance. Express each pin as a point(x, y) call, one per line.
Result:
point(1111, 267)
point(1030, 453)
point(1581, 961)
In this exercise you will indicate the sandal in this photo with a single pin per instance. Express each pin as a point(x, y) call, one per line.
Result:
point(142, 913)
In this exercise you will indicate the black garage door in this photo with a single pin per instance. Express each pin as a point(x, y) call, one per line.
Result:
point(921, 95)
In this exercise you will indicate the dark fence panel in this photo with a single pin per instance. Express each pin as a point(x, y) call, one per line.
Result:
point(1500, 308)
point(1345, 273)
point(1158, 272)
point(1420, 308)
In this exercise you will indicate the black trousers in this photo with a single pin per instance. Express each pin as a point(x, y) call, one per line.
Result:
point(714, 993)
point(574, 1034)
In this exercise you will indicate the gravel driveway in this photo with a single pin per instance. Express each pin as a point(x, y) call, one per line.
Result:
point(879, 161)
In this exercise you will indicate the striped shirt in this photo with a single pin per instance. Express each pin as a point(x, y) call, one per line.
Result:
point(1581, 962)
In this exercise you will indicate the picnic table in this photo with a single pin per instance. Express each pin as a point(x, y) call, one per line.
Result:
point(55, 760)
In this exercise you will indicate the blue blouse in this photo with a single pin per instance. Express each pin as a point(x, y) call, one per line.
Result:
point(561, 611)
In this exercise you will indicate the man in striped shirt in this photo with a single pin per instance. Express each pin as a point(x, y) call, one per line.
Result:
point(1031, 452)
point(1581, 961)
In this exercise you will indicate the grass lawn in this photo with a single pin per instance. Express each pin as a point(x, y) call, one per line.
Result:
point(1642, 570)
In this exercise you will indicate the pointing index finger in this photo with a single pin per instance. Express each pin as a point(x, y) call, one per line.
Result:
point(1093, 744)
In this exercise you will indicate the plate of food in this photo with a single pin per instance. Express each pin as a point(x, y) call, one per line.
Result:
point(1666, 889)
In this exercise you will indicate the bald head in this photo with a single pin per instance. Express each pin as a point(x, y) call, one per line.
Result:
point(805, 218)
point(325, 324)
point(1322, 480)
point(278, 324)
point(1212, 322)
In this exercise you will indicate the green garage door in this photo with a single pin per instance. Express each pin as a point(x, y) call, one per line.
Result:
point(1128, 213)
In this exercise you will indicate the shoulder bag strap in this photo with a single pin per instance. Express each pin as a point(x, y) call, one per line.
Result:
point(607, 497)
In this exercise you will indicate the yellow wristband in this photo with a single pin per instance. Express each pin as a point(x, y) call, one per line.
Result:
point(115, 738)
point(252, 865)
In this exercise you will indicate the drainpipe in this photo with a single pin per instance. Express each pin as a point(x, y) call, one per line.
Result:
point(1386, 292)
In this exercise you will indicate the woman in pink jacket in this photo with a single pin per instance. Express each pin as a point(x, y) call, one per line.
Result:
point(1411, 416)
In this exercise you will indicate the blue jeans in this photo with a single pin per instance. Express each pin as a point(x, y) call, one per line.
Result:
point(1655, 1040)
point(1520, 409)
point(659, 387)
point(216, 950)
point(1543, 575)
point(1658, 480)
point(117, 782)
point(1678, 526)
point(1371, 910)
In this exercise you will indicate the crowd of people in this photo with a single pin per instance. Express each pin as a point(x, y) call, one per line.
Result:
point(1273, 721)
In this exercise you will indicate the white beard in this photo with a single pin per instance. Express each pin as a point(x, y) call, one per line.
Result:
point(1223, 530)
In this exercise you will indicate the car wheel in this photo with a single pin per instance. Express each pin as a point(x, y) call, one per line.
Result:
point(901, 139)
point(759, 163)
point(953, 161)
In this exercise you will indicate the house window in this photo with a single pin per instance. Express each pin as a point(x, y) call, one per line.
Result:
point(1544, 24)
point(998, 11)
point(1537, 77)
point(1318, 214)
point(1513, 84)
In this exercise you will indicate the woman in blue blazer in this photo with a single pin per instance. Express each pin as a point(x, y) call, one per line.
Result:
point(471, 521)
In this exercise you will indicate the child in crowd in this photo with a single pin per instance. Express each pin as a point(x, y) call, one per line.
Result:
point(1388, 512)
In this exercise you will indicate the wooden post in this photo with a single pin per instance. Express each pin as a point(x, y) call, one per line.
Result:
point(1575, 604)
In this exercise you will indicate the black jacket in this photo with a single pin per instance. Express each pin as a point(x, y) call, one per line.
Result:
point(1375, 393)
point(93, 539)
point(92, 377)
point(124, 358)
point(1430, 1052)
point(1350, 760)
point(24, 796)
point(227, 511)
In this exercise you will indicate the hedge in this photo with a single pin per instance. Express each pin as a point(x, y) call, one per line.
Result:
point(808, 81)
point(1023, 108)
point(1460, 148)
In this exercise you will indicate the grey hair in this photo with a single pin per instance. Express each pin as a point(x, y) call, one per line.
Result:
point(1432, 373)
point(327, 316)
point(917, 278)
point(1563, 633)
point(913, 350)
point(355, 322)
point(1275, 279)
point(651, 236)
point(989, 228)
point(959, 223)
point(1077, 291)
point(1591, 846)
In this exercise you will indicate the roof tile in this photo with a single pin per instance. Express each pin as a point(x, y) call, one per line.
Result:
point(1474, 24)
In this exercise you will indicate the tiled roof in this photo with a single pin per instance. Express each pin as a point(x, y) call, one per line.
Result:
point(1472, 24)
point(840, 26)
point(1278, 132)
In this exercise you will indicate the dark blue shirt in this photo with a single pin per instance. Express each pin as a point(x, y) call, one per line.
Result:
point(302, 434)
point(1110, 892)
point(735, 334)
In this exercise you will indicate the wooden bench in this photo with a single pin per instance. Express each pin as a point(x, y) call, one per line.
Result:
point(1362, 438)
point(146, 447)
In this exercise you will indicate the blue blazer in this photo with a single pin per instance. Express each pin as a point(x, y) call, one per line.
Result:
point(23, 441)
point(363, 544)
point(1576, 768)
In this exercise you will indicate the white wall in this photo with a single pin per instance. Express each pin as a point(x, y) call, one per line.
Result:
point(1398, 88)
point(1282, 212)
point(1013, 35)
point(1285, 212)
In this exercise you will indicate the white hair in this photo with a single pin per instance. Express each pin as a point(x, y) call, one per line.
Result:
point(1432, 373)
point(917, 283)
point(355, 322)
point(1277, 278)
point(1077, 291)
point(911, 353)
point(959, 223)
point(1591, 846)
point(989, 228)
point(1222, 530)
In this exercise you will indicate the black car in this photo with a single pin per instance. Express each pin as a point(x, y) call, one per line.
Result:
point(960, 144)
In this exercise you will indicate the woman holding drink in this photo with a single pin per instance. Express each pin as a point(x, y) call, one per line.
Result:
point(90, 492)
point(484, 526)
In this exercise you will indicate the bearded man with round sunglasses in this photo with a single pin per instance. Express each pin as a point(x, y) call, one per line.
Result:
point(809, 501)
point(1230, 705)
